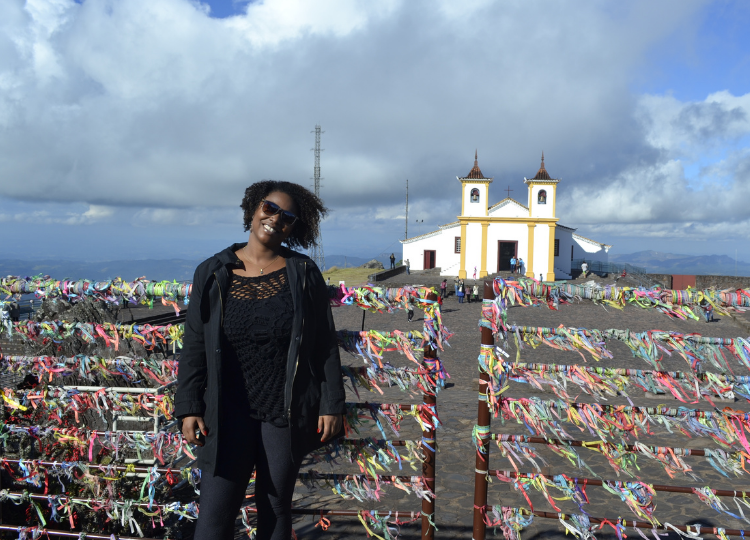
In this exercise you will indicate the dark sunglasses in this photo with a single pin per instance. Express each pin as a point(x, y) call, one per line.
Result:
point(271, 209)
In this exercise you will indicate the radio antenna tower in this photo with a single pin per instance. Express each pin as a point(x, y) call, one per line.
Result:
point(316, 251)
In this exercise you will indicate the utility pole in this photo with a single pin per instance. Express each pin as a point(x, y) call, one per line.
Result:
point(316, 250)
point(406, 221)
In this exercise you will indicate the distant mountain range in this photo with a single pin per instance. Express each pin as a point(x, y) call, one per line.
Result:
point(154, 269)
point(345, 261)
point(177, 269)
point(657, 262)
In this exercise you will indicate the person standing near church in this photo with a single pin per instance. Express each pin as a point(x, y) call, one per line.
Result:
point(408, 267)
point(444, 288)
point(519, 266)
point(584, 268)
point(260, 382)
point(513, 264)
point(393, 261)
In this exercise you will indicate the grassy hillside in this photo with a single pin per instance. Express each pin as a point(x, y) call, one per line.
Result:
point(352, 276)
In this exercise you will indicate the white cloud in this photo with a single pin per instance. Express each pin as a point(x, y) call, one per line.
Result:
point(188, 217)
point(59, 215)
point(157, 107)
point(271, 23)
point(656, 198)
point(683, 128)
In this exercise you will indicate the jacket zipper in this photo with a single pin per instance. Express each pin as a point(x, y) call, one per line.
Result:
point(299, 345)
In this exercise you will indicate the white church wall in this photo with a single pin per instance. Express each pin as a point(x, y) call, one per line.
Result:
point(414, 250)
point(447, 259)
point(492, 231)
point(541, 251)
point(562, 261)
point(589, 250)
point(509, 209)
point(442, 242)
point(473, 249)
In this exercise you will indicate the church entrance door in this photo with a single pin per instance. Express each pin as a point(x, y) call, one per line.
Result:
point(429, 259)
point(506, 250)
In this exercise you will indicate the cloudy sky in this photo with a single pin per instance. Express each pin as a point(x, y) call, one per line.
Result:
point(130, 129)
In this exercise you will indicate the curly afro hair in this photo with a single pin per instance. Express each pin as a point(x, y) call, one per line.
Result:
point(310, 209)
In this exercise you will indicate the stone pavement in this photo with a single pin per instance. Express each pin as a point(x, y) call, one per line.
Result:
point(457, 406)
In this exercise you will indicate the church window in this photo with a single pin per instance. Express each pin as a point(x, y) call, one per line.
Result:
point(475, 195)
point(457, 245)
point(542, 199)
point(571, 253)
point(557, 247)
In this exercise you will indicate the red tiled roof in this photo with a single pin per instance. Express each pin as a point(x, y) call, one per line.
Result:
point(475, 172)
point(542, 173)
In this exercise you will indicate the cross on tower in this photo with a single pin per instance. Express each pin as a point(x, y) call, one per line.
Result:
point(509, 190)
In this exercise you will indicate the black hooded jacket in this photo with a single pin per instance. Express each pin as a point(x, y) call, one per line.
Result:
point(314, 385)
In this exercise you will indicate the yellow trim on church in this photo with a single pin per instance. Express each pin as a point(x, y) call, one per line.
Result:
point(530, 263)
point(531, 199)
point(462, 264)
point(488, 220)
point(551, 264)
point(554, 199)
point(483, 266)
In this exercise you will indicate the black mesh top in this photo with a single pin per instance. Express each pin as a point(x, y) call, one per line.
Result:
point(257, 330)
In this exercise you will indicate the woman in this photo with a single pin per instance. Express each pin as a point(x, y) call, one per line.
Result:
point(259, 384)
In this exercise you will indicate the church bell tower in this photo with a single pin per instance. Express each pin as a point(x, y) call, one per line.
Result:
point(541, 241)
point(474, 204)
point(542, 193)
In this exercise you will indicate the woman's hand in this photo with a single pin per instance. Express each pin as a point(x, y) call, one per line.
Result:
point(191, 424)
point(329, 425)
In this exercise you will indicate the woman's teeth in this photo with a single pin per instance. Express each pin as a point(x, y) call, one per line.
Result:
point(269, 229)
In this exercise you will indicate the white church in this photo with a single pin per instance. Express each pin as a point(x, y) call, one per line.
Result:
point(486, 237)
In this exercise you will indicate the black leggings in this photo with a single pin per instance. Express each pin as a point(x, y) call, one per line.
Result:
point(267, 449)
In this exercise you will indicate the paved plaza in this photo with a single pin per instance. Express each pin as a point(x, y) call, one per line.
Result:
point(457, 408)
point(457, 405)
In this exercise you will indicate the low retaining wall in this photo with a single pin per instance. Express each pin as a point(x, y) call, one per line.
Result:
point(706, 282)
point(722, 282)
point(665, 280)
point(385, 274)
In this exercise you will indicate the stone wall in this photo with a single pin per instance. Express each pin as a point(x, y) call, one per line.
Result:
point(385, 274)
point(706, 282)
point(722, 282)
point(665, 280)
